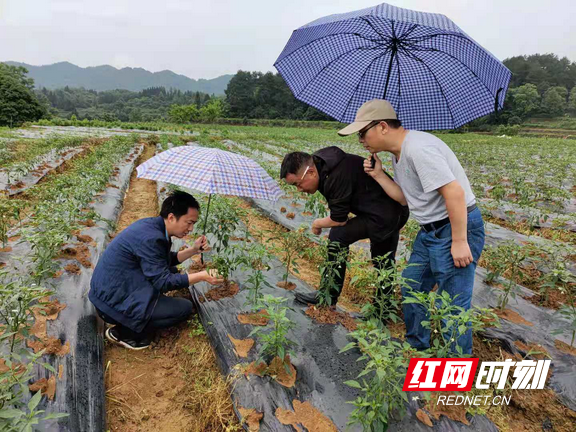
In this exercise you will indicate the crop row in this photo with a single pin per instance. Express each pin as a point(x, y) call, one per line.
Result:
point(45, 220)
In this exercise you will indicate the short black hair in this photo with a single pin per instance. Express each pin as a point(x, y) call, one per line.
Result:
point(293, 162)
point(178, 203)
point(393, 123)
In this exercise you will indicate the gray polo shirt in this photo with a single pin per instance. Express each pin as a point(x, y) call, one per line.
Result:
point(426, 164)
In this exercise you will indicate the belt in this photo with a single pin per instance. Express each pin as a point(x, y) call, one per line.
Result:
point(439, 224)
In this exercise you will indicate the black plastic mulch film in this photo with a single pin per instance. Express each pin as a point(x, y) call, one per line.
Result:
point(80, 391)
point(321, 368)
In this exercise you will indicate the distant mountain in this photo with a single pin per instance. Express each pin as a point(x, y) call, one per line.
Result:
point(109, 78)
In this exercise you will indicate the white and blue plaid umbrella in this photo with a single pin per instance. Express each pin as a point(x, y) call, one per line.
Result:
point(211, 171)
point(434, 75)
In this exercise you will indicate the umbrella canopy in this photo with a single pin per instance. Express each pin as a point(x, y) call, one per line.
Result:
point(434, 75)
point(211, 171)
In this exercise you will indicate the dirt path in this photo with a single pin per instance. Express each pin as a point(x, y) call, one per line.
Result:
point(175, 385)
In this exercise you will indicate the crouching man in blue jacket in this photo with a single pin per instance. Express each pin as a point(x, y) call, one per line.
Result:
point(138, 268)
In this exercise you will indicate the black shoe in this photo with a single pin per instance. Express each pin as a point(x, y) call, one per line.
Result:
point(311, 298)
point(113, 335)
point(307, 298)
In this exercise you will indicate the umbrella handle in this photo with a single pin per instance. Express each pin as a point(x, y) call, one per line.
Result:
point(205, 225)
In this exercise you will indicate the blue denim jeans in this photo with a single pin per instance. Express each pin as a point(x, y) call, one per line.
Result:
point(431, 263)
point(168, 312)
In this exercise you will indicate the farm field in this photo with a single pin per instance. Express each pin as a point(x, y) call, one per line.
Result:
point(68, 190)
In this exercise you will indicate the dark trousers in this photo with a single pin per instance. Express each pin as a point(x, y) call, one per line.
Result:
point(342, 237)
point(168, 312)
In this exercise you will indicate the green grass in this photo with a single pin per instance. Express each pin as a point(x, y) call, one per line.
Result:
point(530, 172)
point(552, 123)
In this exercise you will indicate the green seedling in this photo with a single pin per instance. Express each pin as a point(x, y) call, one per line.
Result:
point(447, 322)
point(273, 338)
point(380, 383)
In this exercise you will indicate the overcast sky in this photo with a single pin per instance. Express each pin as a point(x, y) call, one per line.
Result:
point(208, 38)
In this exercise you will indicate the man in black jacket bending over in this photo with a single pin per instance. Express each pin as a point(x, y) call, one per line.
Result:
point(340, 177)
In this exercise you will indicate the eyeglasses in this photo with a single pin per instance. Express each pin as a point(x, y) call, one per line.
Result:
point(362, 133)
point(297, 184)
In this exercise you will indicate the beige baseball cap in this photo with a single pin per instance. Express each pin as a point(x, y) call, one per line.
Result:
point(375, 109)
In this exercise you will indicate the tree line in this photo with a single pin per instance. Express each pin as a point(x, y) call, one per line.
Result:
point(541, 85)
point(147, 105)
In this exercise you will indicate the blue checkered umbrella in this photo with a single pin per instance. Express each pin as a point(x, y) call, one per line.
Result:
point(211, 171)
point(434, 75)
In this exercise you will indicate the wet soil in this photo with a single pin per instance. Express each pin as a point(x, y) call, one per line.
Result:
point(80, 253)
point(564, 347)
point(258, 319)
point(87, 223)
point(276, 370)
point(555, 299)
point(535, 350)
point(196, 266)
point(282, 371)
point(242, 346)
point(46, 386)
point(217, 292)
point(290, 286)
point(39, 339)
point(424, 418)
point(329, 315)
point(306, 416)
point(85, 238)
point(255, 368)
point(73, 269)
point(52, 346)
point(251, 417)
point(510, 315)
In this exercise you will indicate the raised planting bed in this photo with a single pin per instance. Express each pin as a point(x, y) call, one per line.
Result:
point(320, 369)
point(37, 172)
point(311, 393)
point(71, 332)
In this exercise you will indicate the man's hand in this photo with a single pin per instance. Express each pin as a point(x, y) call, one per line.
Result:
point(375, 172)
point(461, 253)
point(211, 276)
point(315, 228)
point(200, 244)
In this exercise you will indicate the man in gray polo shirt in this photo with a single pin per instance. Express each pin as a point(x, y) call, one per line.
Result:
point(429, 178)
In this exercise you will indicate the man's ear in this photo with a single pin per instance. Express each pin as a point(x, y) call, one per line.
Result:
point(385, 127)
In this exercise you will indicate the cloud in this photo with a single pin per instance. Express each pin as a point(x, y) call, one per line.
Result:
point(204, 39)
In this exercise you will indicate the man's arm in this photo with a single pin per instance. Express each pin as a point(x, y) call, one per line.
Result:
point(338, 193)
point(326, 222)
point(456, 206)
point(156, 270)
point(181, 256)
point(210, 276)
point(200, 244)
point(392, 189)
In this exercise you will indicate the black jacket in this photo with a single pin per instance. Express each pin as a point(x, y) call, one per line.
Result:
point(348, 189)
